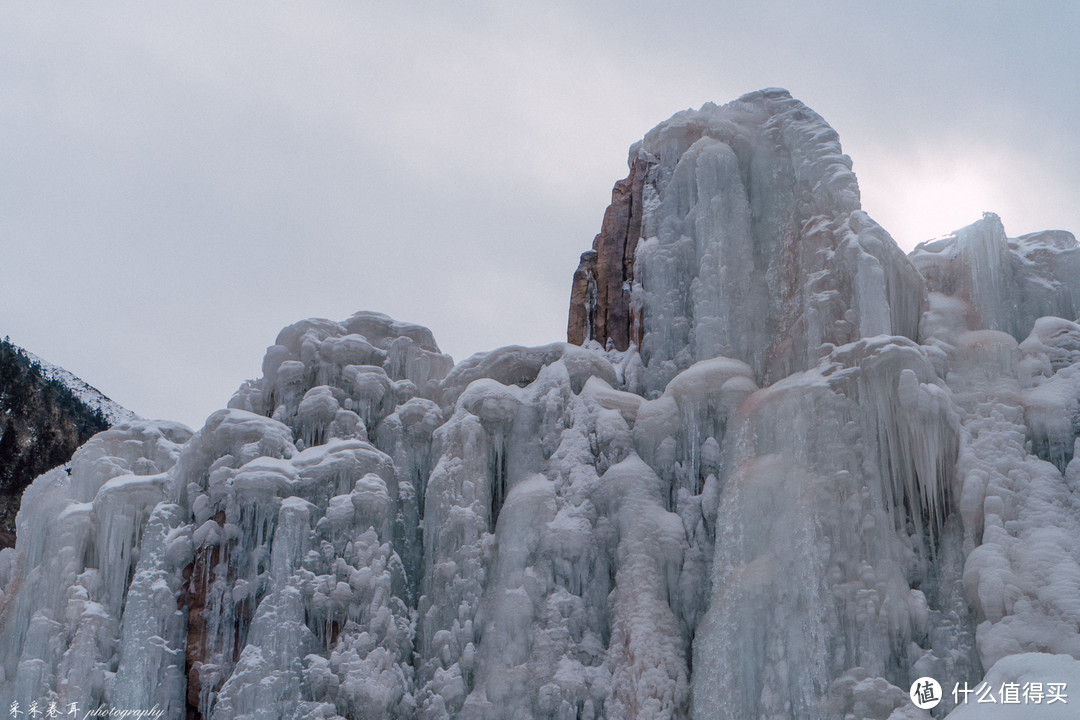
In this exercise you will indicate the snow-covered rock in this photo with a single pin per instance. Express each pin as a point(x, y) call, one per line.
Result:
point(90, 396)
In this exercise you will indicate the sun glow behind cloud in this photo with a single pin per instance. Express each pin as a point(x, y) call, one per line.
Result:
point(941, 188)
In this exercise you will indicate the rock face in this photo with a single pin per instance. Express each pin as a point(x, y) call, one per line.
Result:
point(600, 307)
point(783, 475)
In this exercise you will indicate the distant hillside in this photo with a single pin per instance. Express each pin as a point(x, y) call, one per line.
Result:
point(45, 414)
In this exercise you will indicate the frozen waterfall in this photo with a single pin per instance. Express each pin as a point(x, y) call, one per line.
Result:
point(782, 472)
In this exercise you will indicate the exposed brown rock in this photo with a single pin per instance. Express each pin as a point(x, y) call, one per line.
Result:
point(213, 647)
point(196, 637)
point(581, 325)
point(199, 576)
point(600, 306)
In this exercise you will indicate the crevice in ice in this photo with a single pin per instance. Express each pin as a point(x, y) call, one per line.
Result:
point(590, 309)
point(498, 478)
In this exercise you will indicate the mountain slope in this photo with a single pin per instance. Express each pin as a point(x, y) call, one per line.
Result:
point(45, 414)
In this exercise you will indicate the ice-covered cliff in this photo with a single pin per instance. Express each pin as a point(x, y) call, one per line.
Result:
point(780, 471)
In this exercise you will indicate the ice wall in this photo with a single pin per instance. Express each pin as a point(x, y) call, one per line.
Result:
point(93, 568)
point(750, 244)
point(1007, 283)
point(784, 472)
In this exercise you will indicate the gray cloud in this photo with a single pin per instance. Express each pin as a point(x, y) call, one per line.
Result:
point(178, 182)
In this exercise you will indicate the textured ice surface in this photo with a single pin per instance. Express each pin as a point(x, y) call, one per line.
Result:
point(1007, 283)
point(88, 575)
point(827, 470)
point(753, 244)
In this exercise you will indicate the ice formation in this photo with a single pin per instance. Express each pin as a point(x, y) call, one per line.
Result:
point(781, 471)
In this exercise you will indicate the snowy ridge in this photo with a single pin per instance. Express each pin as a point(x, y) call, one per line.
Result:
point(88, 395)
point(827, 470)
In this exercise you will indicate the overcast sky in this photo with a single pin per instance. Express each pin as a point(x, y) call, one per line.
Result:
point(178, 181)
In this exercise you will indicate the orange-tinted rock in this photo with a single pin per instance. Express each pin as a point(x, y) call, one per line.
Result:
point(600, 306)
point(198, 581)
point(199, 577)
